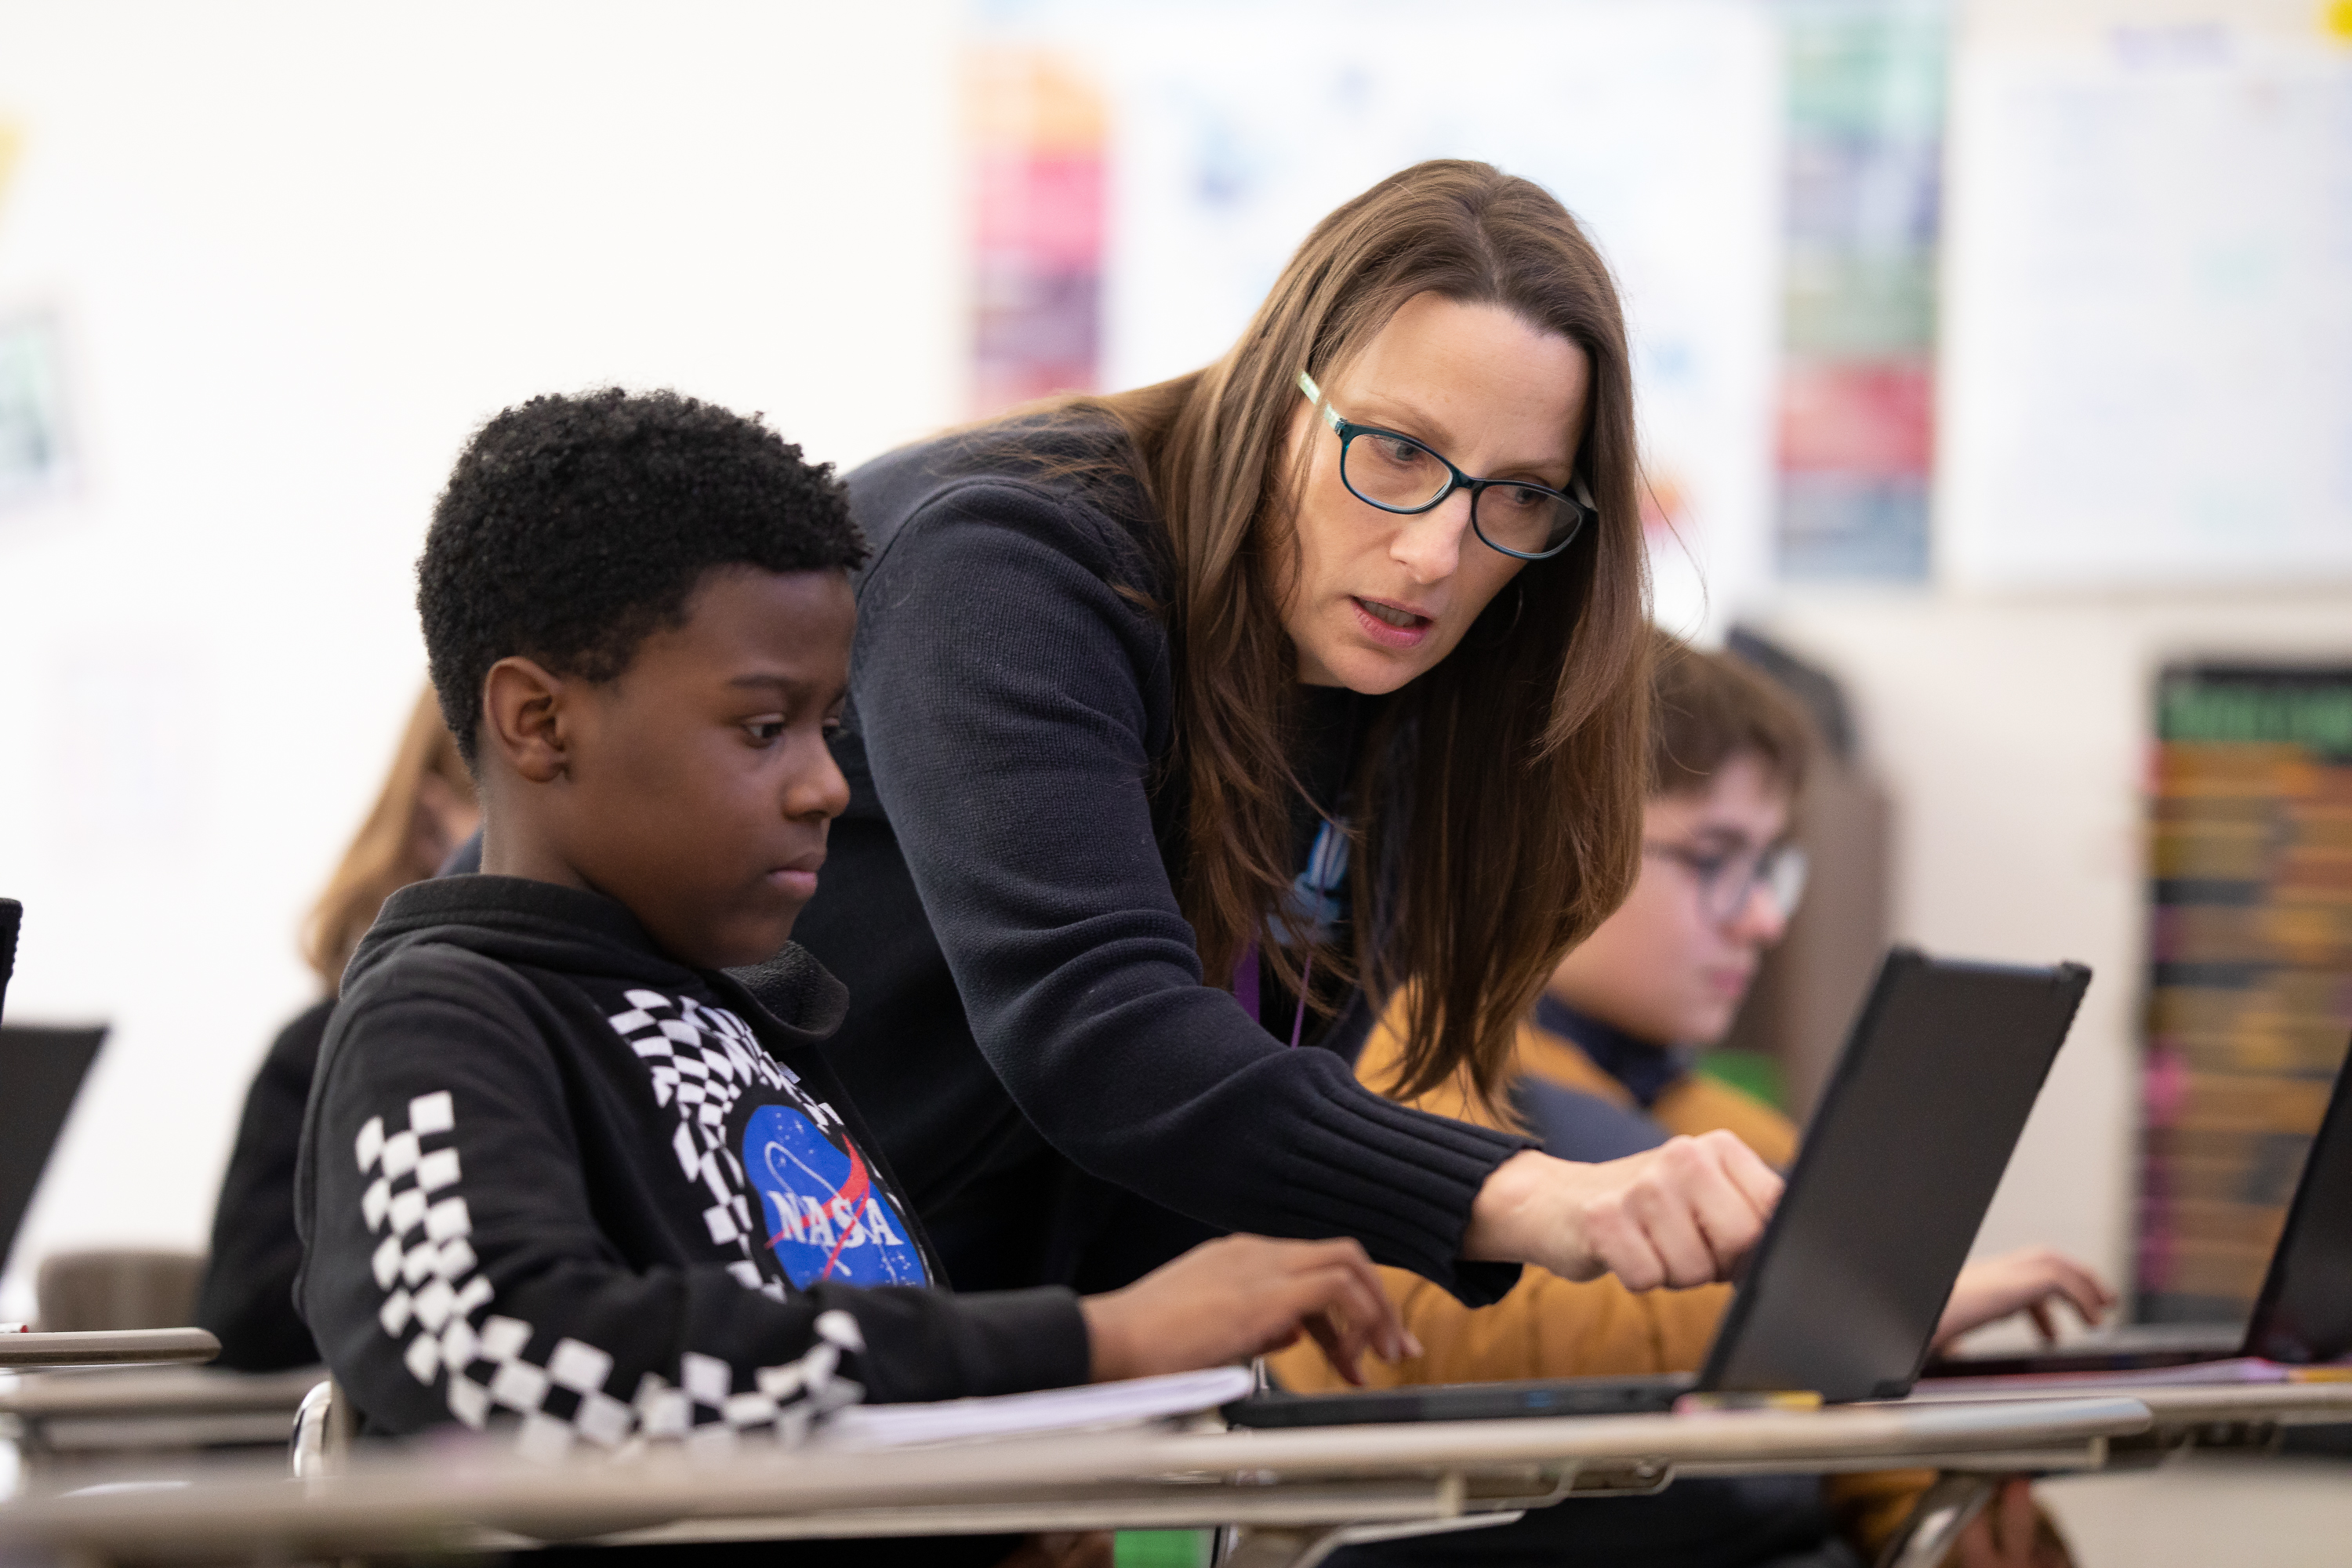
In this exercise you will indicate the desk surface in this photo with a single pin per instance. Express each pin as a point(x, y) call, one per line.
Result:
point(1298, 1477)
point(104, 1411)
point(2169, 1404)
point(128, 1347)
point(132, 1391)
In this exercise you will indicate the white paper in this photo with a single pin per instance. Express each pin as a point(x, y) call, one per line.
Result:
point(1125, 1403)
point(2150, 311)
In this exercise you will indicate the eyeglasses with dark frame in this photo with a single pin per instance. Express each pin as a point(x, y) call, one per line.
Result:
point(1727, 880)
point(1399, 474)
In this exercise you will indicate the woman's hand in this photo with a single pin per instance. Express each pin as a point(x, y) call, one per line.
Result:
point(1242, 1296)
point(2033, 1280)
point(1683, 1214)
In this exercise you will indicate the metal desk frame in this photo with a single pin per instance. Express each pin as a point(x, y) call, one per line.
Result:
point(1294, 1495)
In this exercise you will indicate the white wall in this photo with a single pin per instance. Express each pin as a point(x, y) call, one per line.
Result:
point(299, 252)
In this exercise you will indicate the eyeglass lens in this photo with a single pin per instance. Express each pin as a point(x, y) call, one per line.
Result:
point(1402, 475)
point(1779, 872)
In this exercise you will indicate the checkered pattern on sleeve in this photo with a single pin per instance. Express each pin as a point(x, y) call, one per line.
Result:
point(490, 1367)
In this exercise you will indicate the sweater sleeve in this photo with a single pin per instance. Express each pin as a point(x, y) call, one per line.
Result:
point(456, 1269)
point(1000, 696)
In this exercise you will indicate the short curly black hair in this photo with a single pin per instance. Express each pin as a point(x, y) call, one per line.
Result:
point(573, 527)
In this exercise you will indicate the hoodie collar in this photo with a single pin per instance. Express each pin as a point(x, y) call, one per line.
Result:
point(573, 930)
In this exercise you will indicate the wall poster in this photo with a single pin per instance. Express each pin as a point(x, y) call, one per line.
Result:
point(1866, 91)
point(34, 454)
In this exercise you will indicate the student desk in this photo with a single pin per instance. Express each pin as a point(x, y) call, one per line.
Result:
point(2180, 1416)
point(121, 1347)
point(1296, 1493)
point(84, 1413)
point(42, 1356)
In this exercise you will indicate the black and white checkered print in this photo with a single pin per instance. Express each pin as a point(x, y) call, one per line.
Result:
point(437, 1308)
point(701, 1059)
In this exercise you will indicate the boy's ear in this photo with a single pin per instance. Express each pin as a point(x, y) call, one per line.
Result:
point(523, 719)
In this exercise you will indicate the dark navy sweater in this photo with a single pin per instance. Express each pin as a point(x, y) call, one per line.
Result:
point(1028, 1031)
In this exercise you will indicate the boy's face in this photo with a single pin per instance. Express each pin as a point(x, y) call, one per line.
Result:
point(695, 789)
point(1664, 968)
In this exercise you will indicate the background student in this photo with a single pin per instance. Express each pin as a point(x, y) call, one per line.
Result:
point(1604, 1066)
point(1183, 718)
point(426, 809)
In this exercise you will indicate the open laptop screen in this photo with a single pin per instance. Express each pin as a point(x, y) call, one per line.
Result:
point(1892, 1183)
point(2304, 1312)
point(11, 915)
point(43, 1071)
point(1887, 1194)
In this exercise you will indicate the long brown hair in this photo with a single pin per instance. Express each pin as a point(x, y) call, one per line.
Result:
point(392, 848)
point(1709, 708)
point(1500, 801)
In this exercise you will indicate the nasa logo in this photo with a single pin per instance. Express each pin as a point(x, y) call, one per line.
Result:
point(826, 1217)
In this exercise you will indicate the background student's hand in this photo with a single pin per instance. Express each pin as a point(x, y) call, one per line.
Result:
point(2033, 1280)
point(1242, 1296)
point(1683, 1214)
point(2011, 1533)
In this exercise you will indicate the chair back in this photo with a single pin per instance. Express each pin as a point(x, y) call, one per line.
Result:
point(323, 1433)
point(111, 1288)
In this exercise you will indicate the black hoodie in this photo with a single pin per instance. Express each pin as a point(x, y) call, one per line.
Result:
point(552, 1176)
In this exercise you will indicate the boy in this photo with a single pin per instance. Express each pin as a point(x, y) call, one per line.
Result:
point(1603, 1069)
point(560, 1174)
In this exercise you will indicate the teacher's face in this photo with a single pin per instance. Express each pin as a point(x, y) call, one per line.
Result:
point(1375, 598)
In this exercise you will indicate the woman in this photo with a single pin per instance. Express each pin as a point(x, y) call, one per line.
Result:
point(424, 810)
point(1314, 671)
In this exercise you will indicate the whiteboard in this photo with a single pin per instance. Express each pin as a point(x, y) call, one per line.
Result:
point(2147, 352)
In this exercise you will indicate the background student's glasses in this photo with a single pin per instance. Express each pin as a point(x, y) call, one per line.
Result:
point(1398, 474)
point(1727, 880)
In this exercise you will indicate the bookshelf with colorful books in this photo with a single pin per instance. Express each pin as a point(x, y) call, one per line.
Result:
point(2250, 975)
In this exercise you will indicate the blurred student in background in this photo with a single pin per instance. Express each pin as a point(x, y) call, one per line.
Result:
point(426, 809)
point(1603, 1068)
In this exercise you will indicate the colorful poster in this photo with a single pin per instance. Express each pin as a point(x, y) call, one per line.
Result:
point(34, 453)
point(1865, 92)
point(1035, 134)
point(2250, 970)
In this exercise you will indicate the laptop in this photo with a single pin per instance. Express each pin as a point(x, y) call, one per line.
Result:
point(1843, 1293)
point(11, 915)
point(42, 1069)
point(2303, 1315)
